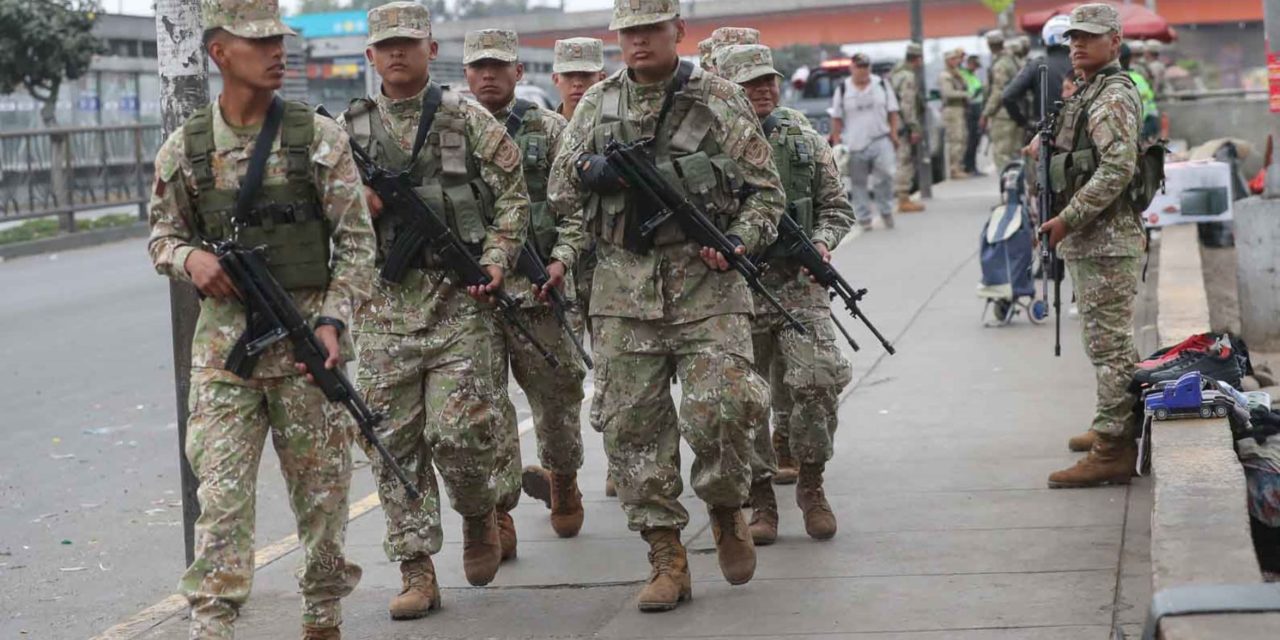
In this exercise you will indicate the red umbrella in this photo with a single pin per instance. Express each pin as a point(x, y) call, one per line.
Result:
point(1137, 21)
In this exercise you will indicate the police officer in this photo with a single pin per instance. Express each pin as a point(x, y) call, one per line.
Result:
point(327, 243)
point(911, 115)
point(806, 373)
point(430, 351)
point(955, 99)
point(1099, 235)
point(660, 303)
point(1006, 139)
point(490, 59)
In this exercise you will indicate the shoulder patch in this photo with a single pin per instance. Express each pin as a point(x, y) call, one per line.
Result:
point(756, 153)
point(507, 157)
point(169, 157)
point(329, 143)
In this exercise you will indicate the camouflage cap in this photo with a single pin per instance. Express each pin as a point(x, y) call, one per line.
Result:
point(490, 44)
point(995, 36)
point(637, 13)
point(251, 19)
point(954, 53)
point(742, 63)
point(1137, 46)
point(578, 54)
point(914, 49)
point(705, 49)
point(399, 20)
point(1154, 46)
point(1096, 18)
point(726, 36)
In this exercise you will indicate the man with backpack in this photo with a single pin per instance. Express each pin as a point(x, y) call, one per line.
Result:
point(864, 115)
point(1095, 229)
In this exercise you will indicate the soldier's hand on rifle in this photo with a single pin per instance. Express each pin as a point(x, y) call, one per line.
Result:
point(982, 123)
point(327, 334)
point(481, 292)
point(556, 270)
point(1032, 149)
point(207, 274)
point(373, 201)
point(826, 257)
point(597, 176)
point(1056, 228)
point(716, 260)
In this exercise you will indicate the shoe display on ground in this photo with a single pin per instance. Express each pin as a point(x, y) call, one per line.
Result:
point(1219, 362)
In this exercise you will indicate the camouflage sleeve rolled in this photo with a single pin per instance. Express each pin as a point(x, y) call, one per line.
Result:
point(565, 195)
point(834, 215)
point(500, 168)
point(169, 212)
point(569, 231)
point(757, 220)
point(1113, 127)
point(342, 197)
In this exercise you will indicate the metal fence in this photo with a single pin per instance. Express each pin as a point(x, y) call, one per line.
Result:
point(62, 172)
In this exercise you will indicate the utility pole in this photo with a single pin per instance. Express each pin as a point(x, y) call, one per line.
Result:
point(923, 158)
point(184, 87)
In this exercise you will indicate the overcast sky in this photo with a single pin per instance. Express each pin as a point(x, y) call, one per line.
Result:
point(146, 7)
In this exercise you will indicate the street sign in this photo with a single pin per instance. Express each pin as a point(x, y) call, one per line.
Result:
point(997, 6)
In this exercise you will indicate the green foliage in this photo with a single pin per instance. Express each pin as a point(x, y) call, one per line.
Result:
point(41, 228)
point(43, 42)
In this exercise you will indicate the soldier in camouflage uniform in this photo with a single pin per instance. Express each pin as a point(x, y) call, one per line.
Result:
point(432, 354)
point(955, 98)
point(1156, 66)
point(1094, 157)
point(910, 114)
point(491, 62)
point(705, 47)
point(1006, 137)
point(309, 168)
point(726, 37)
point(805, 372)
point(661, 304)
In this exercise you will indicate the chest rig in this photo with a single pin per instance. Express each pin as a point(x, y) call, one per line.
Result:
point(524, 125)
point(684, 151)
point(1075, 158)
point(286, 220)
point(793, 155)
point(442, 164)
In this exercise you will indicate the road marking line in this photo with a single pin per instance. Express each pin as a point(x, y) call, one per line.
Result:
point(158, 613)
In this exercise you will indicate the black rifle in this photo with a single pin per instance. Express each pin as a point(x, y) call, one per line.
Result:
point(427, 230)
point(1050, 264)
point(531, 265)
point(801, 249)
point(633, 163)
point(271, 316)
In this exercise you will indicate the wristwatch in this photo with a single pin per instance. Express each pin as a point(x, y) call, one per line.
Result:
point(332, 322)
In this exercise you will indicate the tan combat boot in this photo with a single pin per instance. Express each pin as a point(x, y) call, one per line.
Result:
point(669, 582)
point(787, 471)
point(481, 549)
point(959, 175)
point(321, 633)
point(1110, 461)
point(610, 488)
point(819, 521)
point(559, 491)
point(506, 535)
point(1082, 442)
point(419, 592)
point(764, 514)
point(907, 205)
point(734, 548)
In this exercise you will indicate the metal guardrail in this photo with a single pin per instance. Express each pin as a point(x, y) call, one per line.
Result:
point(1215, 93)
point(64, 171)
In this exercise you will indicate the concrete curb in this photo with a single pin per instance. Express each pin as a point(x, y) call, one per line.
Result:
point(69, 241)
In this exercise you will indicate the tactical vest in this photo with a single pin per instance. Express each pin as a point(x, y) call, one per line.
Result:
point(793, 155)
point(287, 220)
point(684, 152)
point(446, 171)
point(535, 150)
point(1075, 158)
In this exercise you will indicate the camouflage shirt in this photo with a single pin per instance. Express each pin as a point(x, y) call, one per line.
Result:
point(1098, 219)
point(671, 283)
point(910, 106)
point(337, 182)
point(416, 303)
point(1003, 70)
point(833, 216)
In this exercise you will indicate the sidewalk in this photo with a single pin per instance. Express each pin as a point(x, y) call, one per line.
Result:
point(946, 527)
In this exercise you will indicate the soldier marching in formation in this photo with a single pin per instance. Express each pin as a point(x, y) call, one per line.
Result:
point(507, 176)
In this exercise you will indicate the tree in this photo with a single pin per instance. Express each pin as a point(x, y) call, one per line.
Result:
point(43, 43)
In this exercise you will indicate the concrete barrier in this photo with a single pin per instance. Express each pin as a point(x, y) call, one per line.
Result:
point(77, 240)
point(1199, 521)
point(1257, 230)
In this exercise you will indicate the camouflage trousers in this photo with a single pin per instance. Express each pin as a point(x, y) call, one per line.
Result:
point(555, 398)
point(957, 137)
point(230, 420)
point(906, 169)
point(442, 407)
point(1105, 289)
point(585, 271)
point(1006, 142)
point(806, 374)
point(721, 398)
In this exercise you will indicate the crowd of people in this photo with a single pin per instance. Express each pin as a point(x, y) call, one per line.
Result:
point(759, 383)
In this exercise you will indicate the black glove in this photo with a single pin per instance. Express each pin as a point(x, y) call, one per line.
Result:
point(597, 176)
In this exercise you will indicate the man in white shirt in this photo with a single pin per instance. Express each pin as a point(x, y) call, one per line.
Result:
point(864, 117)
